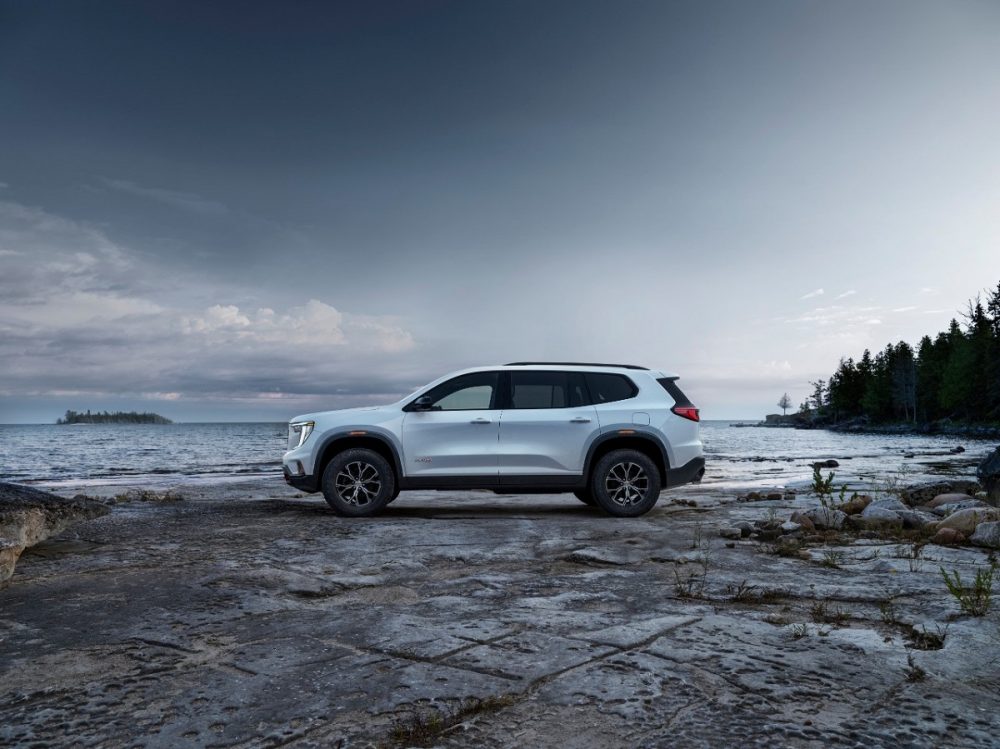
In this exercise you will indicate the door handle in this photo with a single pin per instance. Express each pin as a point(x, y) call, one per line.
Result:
point(580, 420)
point(480, 420)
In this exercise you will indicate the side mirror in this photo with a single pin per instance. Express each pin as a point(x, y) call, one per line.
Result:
point(423, 403)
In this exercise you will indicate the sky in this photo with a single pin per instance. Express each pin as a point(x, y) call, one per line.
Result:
point(246, 211)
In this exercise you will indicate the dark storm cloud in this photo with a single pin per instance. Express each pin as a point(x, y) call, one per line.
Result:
point(340, 200)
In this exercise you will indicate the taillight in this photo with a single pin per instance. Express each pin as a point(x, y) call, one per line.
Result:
point(686, 412)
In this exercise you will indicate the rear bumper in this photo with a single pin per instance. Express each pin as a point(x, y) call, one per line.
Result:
point(690, 472)
point(304, 483)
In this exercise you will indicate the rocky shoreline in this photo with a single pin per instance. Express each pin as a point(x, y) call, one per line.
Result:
point(248, 615)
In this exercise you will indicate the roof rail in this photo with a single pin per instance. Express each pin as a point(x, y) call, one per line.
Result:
point(572, 364)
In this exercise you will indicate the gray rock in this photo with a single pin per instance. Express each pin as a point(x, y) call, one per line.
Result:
point(831, 463)
point(731, 532)
point(874, 518)
point(28, 516)
point(989, 474)
point(826, 519)
point(789, 527)
point(887, 503)
point(916, 519)
point(987, 534)
point(919, 494)
point(952, 507)
point(968, 519)
point(745, 529)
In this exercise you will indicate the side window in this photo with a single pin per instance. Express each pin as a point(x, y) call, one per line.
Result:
point(471, 392)
point(607, 388)
point(545, 390)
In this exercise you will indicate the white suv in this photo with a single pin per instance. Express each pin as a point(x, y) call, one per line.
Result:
point(613, 435)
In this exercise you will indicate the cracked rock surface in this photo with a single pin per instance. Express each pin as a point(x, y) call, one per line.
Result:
point(249, 616)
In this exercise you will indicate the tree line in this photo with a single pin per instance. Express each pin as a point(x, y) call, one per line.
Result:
point(118, 417)
point(955, 375)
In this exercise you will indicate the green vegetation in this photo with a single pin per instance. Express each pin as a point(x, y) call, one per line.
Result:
point(974, 600)
point(955, 375)
point(118, 417)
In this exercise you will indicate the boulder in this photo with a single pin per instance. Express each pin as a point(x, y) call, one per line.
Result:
point(825, 518)
point(947, 499)
point(965, 521)
point(789, 527)
point(916, 519)
point(989, 475)
point(920, 494)
point(889, 503)
point(957, 450)
point(987, 534)
point(28, 516)
point(952, 507)
point(775, 495)
point(880, 518)
point(831, 463)
point(947, 537)
point(745, 529)
point(855, 505)
point(731, 533)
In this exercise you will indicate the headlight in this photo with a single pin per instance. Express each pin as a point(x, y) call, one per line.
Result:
point(298, 433)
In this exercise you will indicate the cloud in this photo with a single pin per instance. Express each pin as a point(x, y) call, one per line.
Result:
point(812, 294)
point(905, 309)
point(187, 201)
point(929, 291)
point(80, 314)
point(846, 294)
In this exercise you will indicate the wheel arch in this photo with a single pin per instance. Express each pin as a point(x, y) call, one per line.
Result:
point(337, 443)
point(644, 443)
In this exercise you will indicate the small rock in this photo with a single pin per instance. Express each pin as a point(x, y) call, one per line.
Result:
point(730, 532)
point(826, 519)
point(947, 537)
point(789, 527)
point(831, 463)
point(951, 508)
point(745, 529)
point(965, 521)
point(855, 505)
point(789, 492)
point(987, 534)
point(909, 455)
point(802, 519)
point(957, 450)
point(877, 518)
point(775, 495)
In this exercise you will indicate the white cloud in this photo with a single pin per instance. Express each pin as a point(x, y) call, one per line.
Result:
point(929, 291)
point(846, 294)
point(904, 309)
point(812, 294)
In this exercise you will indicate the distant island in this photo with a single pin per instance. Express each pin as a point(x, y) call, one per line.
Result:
point(118, 417)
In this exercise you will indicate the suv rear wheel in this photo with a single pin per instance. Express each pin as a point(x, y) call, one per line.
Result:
point(626, 483)
point(358, 483)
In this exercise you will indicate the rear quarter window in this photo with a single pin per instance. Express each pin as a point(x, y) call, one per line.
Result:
point(607, 388)
point(670, 385)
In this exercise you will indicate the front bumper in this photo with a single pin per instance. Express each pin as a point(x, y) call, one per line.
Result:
point(690, 472)
point(305, 482)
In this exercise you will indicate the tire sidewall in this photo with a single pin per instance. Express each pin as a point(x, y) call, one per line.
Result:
point(386, 476)
point(599, 491)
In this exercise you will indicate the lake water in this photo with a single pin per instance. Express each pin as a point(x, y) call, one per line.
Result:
point(167, 455)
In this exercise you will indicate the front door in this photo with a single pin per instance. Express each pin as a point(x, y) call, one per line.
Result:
point(546, 426)
point(457, 435)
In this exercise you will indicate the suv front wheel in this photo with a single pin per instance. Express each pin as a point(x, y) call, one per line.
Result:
point(358, 483)
point(626, 483)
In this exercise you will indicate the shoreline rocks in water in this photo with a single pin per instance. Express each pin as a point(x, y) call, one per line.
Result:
point(28, 516)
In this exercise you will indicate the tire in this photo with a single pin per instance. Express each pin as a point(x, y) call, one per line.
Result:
point(358, 483)
point(586, 497)
point(626, 483)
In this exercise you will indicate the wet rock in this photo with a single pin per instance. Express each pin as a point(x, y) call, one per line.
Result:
point(989, 474)
point(855, 505)
point(731, 533)
point(987, 534)
point(775, 495)
point(28, 516)
point(825, 518)
point(909, 455)
point(965, 521)
point(948, 537)
point(751, 497)
point(880, 518)
point(957, 450)
point(831, 463)
point(745, 529)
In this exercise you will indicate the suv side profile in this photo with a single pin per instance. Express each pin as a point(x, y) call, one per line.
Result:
point(613, 435)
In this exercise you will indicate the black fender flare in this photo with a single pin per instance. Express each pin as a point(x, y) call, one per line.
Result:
point(629, 435)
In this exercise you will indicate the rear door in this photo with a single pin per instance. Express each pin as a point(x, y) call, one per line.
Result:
point(458, 435)
point(546, 425)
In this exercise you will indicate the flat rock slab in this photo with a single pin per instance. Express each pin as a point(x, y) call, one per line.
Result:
point(248, 617)
point(28, 516)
